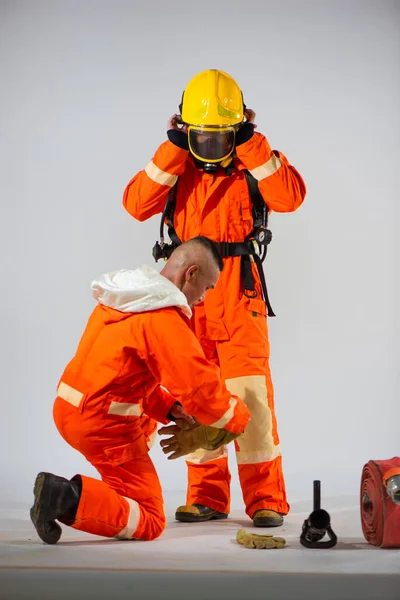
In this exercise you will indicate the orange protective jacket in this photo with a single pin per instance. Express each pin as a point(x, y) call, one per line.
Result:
point(219, 207)
point(138, 339)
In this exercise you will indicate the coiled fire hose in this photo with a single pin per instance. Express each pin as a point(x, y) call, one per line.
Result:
point(380, 502)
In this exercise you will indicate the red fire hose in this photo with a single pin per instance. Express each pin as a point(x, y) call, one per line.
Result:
point(380, 515)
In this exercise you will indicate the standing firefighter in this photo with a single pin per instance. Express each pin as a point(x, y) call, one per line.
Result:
point(215, 176)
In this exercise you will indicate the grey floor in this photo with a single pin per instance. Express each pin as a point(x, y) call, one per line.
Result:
point(196, 561)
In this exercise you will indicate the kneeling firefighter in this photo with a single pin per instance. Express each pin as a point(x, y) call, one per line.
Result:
point(216, 176)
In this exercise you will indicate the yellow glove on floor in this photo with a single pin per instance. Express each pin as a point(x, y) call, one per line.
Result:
point(253, 540)
point(187, 438)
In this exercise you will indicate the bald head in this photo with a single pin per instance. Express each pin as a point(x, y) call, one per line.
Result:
point(194, 267)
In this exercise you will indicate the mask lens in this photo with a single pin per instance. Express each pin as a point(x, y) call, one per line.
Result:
point(211, 145)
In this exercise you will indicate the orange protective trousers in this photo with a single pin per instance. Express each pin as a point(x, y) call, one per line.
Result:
point(128, 502)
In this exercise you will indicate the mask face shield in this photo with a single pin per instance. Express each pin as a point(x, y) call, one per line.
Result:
point(211, 144)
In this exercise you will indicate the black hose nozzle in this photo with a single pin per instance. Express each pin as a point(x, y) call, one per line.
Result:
point(317, 525)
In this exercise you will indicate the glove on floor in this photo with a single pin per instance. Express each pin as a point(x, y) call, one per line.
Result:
point(254, 540)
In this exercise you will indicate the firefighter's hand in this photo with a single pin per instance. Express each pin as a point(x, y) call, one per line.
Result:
point(186, 438)
point(174, 123)
point(177, 134)
point(246, 130)
point(179, 413)
point(250, 116)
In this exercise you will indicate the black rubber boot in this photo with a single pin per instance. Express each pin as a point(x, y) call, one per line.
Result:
point(55, 498)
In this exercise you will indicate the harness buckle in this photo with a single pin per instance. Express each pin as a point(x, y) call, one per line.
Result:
point(251, 293)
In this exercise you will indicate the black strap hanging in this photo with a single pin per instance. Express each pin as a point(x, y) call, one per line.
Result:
point(161, 249)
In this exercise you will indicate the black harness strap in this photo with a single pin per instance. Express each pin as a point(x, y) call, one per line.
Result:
point(246, 250)
point(259, 237)
point(260, 209)
point(169, 217)
point(161, 249)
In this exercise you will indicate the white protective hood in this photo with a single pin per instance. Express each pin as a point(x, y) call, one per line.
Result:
point(138, 291)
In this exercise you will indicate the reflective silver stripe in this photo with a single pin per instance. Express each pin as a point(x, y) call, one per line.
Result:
point(133, 521)
point(254, 458)
point(227, 416)
point(267, 169)
point(69, 394)
point(159, 176)
point(125, 409)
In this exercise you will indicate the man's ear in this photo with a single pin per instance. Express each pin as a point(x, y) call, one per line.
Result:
point(191, 272)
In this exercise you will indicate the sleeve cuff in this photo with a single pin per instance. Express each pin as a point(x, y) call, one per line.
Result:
point(178, 138)
point(245, 133)
point(169, 416)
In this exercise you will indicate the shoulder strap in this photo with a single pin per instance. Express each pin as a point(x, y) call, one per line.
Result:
point(260, 209)
point(169, 212)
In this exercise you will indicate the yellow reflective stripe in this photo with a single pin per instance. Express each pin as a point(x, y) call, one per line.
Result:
point(159, 176)
point(125, 409)
point(227, 416)
point(69, 394)
point(254, 458)
point(267, 169)
point(152, 439)
point(133, 520)
point(201, 456)
point(256, 444)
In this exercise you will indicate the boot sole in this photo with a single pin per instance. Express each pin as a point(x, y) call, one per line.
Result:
point(190, 518)
point(41, 507)
point(268, 523)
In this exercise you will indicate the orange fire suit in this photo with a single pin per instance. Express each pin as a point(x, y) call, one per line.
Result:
point(231, 327)
point(109, 398)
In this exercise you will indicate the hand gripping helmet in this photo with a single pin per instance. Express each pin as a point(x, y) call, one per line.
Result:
point(212, 108)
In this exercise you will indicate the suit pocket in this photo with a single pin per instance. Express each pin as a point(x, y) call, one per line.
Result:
point(123, 453)
point(257, 328)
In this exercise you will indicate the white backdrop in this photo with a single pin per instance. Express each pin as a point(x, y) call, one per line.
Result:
point(87, 88)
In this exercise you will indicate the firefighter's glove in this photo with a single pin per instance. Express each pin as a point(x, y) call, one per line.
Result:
point(186, 438)
point(260, 542)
